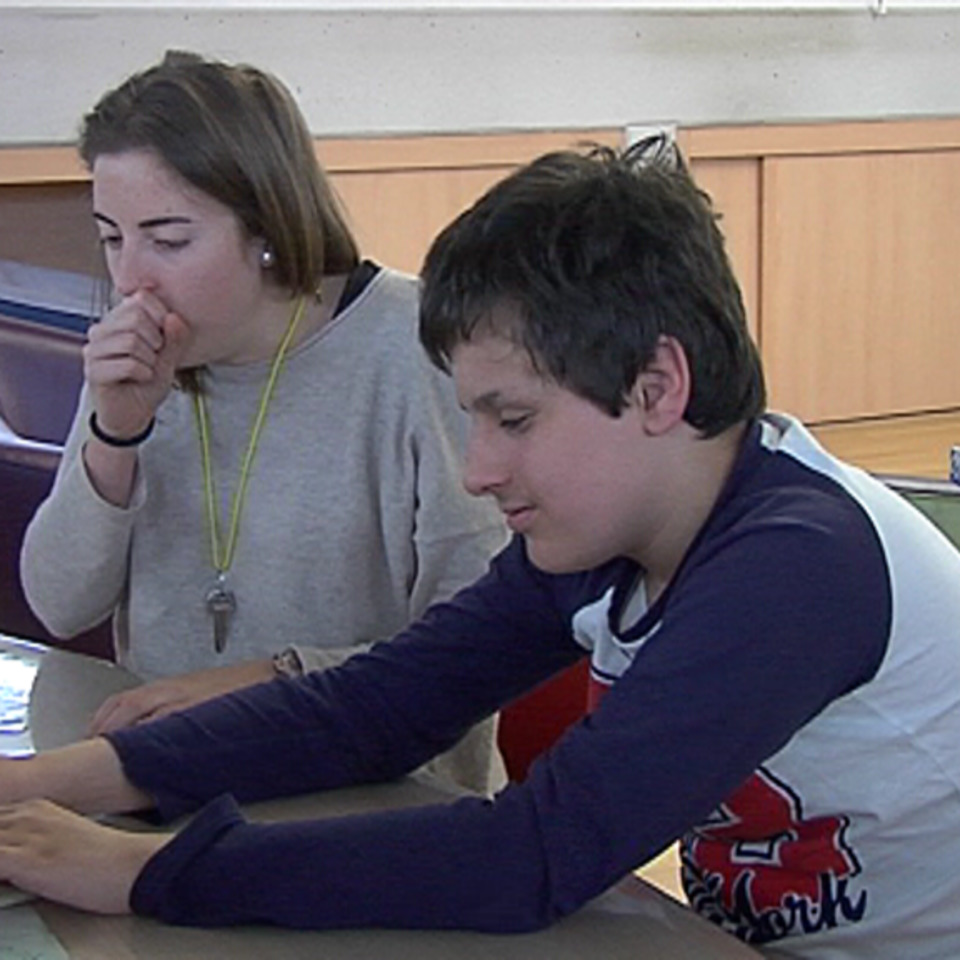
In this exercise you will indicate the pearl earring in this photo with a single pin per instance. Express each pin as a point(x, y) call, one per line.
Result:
point(267, 258)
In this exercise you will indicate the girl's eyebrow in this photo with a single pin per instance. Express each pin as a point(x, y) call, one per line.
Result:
point(488, 402)
point(151, 222)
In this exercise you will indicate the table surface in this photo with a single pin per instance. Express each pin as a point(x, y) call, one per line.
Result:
point(635, 921)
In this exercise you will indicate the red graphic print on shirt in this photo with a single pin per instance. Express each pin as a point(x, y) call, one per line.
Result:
point(762, 871)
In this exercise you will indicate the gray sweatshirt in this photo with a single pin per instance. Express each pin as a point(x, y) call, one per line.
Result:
point(355, 517)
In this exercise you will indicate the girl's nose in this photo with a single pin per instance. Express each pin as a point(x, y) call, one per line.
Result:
point(126, 271)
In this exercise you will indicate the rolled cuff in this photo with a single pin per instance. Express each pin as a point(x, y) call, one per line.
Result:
point(153, 892)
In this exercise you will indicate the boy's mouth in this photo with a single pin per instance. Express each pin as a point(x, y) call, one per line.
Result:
point(518, 518)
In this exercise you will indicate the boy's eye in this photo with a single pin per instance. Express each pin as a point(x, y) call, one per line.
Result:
point(169, 244)
point(110, 241)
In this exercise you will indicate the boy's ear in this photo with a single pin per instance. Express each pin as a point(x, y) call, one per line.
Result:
point(662, 389)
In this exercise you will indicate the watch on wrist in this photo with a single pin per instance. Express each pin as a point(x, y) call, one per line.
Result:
point(287, 663)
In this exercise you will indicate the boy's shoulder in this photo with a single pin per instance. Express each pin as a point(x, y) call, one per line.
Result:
point(790, 504)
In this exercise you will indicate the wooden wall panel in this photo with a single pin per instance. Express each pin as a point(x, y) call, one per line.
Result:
point(861, 292)
point(49, 225)
point(800, 139)
point(844, 238)
point(734, 187)
point(396, 215)
point(400, 192)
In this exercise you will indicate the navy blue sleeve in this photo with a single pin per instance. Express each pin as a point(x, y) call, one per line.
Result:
point(376, 717)
point(760, 631)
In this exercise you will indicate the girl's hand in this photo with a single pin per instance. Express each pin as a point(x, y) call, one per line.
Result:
point(130, 360)
point(161, 697)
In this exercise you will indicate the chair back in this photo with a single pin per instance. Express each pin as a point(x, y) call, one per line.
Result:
point(532, 724)
point(26, 475)
point(41, 373)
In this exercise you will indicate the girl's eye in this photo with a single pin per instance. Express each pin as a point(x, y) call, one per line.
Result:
point(164, 244)
point(111, 242)
point(515, 424)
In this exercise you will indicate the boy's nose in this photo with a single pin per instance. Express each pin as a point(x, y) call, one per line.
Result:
point(483, 470)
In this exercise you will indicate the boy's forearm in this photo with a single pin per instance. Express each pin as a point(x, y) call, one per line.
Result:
point(86, 777)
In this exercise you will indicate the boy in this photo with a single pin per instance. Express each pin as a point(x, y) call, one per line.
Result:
point(775, 671)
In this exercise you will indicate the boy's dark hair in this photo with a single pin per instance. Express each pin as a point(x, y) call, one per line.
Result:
point(585, 260)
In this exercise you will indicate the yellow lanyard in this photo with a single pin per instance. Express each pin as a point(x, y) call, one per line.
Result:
point(221, 563)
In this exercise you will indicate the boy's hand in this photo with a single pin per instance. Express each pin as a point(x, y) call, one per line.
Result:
point(53, 853)
point(157, 699)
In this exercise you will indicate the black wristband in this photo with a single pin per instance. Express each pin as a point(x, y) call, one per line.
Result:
point(110, 441)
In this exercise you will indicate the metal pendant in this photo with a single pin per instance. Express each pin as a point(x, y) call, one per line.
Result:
point(222, 604)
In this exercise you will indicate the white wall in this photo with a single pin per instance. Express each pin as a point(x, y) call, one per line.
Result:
point(381, 71)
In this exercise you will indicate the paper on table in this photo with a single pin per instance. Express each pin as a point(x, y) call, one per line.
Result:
point(24, 936)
